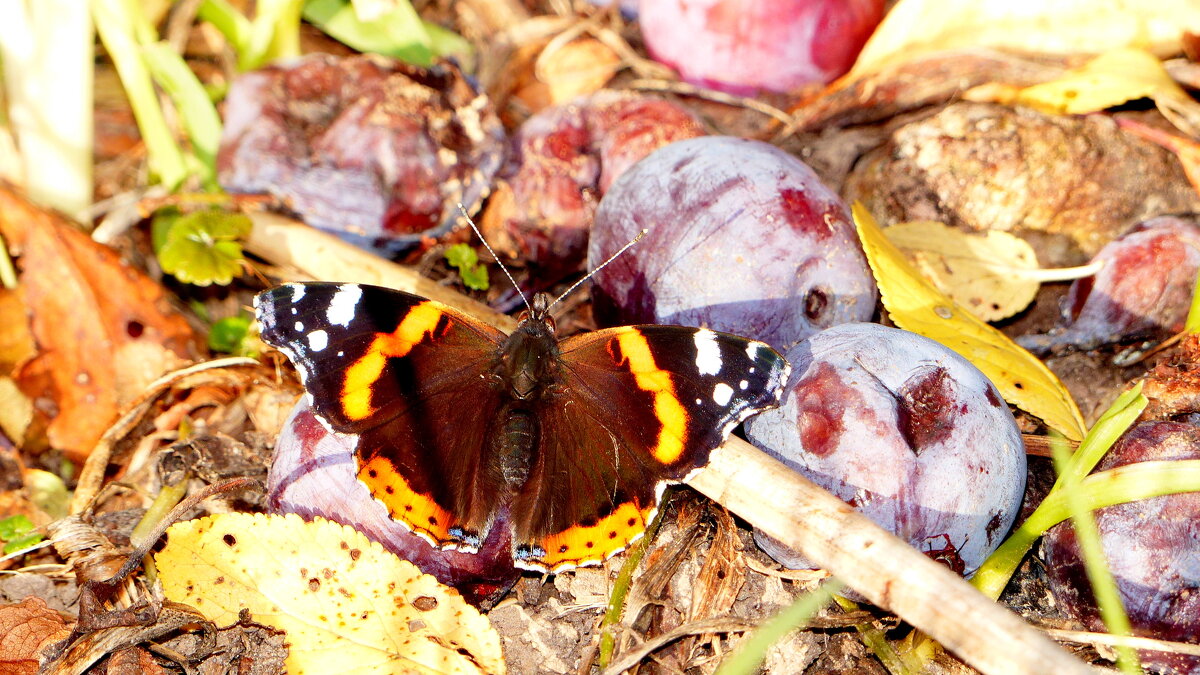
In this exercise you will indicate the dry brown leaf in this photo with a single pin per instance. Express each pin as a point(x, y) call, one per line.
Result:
point(917, 27)
point(87, 308)
point(27, 628)
point(16, 342)
point(346, 604)
point(577, 68)
point(1187, 150)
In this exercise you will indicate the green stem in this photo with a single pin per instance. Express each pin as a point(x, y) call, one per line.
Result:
point(116, 22)
point(616, 601)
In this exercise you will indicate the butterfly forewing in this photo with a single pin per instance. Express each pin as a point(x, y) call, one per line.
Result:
point(409, 376)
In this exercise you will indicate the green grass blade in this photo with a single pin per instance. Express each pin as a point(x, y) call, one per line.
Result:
point(1095, 562)
point(1123, 411)
point(748, 657)
point(230, 22)
point(274, 32)
point(116, 24)
point(199, 115)
point(1192, 325)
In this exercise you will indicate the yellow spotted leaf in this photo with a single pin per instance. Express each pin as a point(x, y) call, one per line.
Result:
point(981, 272)
point(347, 605)
point(916, 305)
point(1112, 79)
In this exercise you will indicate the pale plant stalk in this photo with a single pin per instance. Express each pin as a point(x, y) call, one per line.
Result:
point(47, 51)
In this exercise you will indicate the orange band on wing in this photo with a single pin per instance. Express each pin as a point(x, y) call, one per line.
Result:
point(652, 379)
point(420, 321)
point(581, 545)
point(418, 511)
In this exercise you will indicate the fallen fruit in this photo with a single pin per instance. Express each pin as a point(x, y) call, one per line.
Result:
point(1151, 546)
point(742, 237)
point(904, 430)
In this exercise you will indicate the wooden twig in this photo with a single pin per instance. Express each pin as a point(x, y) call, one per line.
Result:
point(767, 494)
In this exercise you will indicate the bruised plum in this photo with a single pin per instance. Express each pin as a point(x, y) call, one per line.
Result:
point(742, 237)
point(906, 431)
point(563, 159)
point(376, 150)
point(313, 475)
point(743, 45)
point(1143, 291)
point(1152, 547)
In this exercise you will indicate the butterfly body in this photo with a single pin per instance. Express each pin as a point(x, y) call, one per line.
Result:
point(456, 422)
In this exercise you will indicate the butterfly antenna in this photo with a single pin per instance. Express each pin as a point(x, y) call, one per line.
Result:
point(589, 275)
point(504, 269)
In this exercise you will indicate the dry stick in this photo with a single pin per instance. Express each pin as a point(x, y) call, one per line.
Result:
point(884, 569)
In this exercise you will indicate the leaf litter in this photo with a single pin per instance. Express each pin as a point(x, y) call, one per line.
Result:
point(208, 427)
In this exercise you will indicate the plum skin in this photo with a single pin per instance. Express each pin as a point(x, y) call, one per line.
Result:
point(740, 46)
point(1152, 547)
point(905, 430)
point(741, 237)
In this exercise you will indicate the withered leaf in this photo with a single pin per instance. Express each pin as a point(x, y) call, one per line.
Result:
point(97, 322)
point(25, 629)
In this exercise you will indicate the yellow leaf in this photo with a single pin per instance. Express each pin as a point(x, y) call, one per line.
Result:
point(914, 304)
point(916, 27)
point(975, 270)
point(346, 604)
point(1112, 79)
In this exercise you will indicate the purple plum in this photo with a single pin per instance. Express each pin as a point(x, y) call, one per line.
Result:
point(906, 431)
point(742, 237)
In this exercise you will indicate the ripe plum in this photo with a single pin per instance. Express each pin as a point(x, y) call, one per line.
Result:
point(742, 237)
point(906, 431)
point(563, 159)
point(740, 46)
point(1142, 292)
point(376, 150)
point(1152, 547)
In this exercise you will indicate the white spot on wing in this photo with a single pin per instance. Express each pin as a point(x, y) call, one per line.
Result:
point(318, 340)
point(708, 352)
point(743, 385)
point(752, 350)
point(722, 393)
point(297, 292)
point(342, 306)
point(299, 327)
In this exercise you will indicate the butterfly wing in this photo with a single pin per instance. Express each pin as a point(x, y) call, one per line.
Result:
point(394, 369)
point(639, 407)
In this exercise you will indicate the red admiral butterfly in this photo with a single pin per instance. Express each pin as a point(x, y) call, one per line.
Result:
point(576, 438)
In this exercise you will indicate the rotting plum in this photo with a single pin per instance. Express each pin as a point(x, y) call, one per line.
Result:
point(376, 150)
point(562, 160)
point(741, 46)
point(1142, 292)
point(1152, 548)
point(906, 431)
point(742, 237)
point(313, 474)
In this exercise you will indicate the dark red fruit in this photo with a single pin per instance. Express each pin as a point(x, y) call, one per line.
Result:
point(741, 46)
point(906, 431)
point(1152, 547)
point(374, 149)
point(743, 238)
point(313, 475)
point(563, 160)
point(1143, 291)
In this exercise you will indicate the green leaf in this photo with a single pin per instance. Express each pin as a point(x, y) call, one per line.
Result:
point(399, 33)
point(229, 335)
point(474, 274)
point(199, 115)
point(202, 248)
point(15, 526)
point(22, 542)
point(461, 255)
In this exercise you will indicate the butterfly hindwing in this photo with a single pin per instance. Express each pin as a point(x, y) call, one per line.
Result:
point(640, 407)
point(395, 369)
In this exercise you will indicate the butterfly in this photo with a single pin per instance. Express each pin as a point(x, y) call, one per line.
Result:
point(457, 422)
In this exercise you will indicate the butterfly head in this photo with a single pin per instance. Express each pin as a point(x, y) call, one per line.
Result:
point(529, 357)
